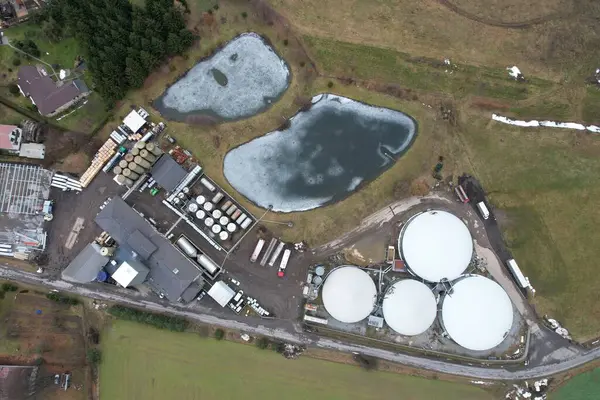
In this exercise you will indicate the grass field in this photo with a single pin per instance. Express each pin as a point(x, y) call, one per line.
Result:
point(143, 363)
point(585, 386)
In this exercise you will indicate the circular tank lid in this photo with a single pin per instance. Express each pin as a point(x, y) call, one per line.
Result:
point(217, 214)
point(200, 199)
point(436, 245)
point(200, 214)
point(193, 207)
point(317, 280)
point(478, 314)
point(320, 270)
point(349, 294)
point(223, 235)
point(209, 222)
point(224, 220)
point(216, 228)
point(231, 227)
point(208, 206)
point(409, 307)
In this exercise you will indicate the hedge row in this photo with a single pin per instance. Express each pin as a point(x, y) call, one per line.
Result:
point(160, 321)
point(61, 298)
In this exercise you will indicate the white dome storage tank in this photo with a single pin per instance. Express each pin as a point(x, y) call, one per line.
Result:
point(436, 245)
point(478, 314)
point(349, 294)
point(409, 307)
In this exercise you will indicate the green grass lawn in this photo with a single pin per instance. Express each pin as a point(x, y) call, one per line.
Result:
point(145, 363)
point(585, 386)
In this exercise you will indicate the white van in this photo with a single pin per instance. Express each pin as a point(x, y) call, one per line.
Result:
point(483, 210)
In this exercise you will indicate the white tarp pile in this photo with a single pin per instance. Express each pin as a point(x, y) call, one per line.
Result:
point(547, 124)
point(515, 72)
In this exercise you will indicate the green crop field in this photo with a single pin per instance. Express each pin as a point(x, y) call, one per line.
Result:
point(582, 387)
point(144, 363)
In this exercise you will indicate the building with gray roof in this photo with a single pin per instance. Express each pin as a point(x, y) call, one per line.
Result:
point(171, 272)
point(85, 267)
point(167, 173)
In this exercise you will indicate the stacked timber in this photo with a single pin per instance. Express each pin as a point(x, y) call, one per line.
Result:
point(102, 156)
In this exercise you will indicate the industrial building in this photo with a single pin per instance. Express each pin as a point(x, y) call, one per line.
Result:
point(24, 189)
point(436, 246)
point(477, 313)
point(409, 307)
point(170, 273)
point(349, 294)
point(86, 266)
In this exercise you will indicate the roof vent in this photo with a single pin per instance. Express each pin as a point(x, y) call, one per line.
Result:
point(175, 271)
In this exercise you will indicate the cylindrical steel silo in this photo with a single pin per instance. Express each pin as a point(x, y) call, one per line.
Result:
point(135, 151)
point(136, 167)
point(129, 157)
point(130, 174)
point(117, 170)
point(145, 154)
point(153, 148)
point(139, 160)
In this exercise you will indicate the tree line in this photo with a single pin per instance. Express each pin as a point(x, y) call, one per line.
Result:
point(122, 43)
point(160, 321)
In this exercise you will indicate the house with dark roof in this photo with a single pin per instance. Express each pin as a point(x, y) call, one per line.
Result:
point(171, 273)
point(50, 97)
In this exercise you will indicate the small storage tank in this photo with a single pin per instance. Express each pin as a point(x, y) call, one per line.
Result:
point(107, 251)
point(127, 181)
point(217, 214)
point(207, 184)
point(176, 201)
point(123, 164)
point(218, 197)
point(102, 276)
point(224, 220)
point(246, 223)
point(208, 206)
point(236, 214)
point(231, 227)
point(200, 214)
point(153, 148)
point(232, 208)
point(207, 263)
point(186, 190)
point(135, 167)
point(129, 157)
point(187, 247)
point(144, 163)
point(241, 218)
point(209, 222)
point(192, 208)
point(182, 196)
point(216, 228)
point(135, 151)
point(200, 199)
point(140, 145)
point(130, 174)
point(146, 155)
point(223, 235)
point(117, 170)
point(317, 280)
point(320, 270)
point(225, 206)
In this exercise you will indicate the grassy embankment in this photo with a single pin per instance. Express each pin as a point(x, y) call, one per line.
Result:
point(544, 179)
point(159, 364)
point(581, 387)
point(63, 54)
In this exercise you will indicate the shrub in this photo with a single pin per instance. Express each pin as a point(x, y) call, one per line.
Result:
point(262, 342)
point(13, 89)
point(2, 295)
point(302, 63)
point(216, 7)
point(244, 14)
point(38, 361)
point(219, 334)
point(61, 298)
point(329, 84)
point(365, 362)
point(285, 42)
point(16, 62)
point(9, 287)
point(159, 321)
point(94, 356)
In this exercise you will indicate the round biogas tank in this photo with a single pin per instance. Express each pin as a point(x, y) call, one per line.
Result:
point(231, 227)
point(224, 220)
point(209, 222)
point(217, 214)
point(208, 206)
point(200, 199)
point(193, 207)
point(223, 235)
point(216, 228)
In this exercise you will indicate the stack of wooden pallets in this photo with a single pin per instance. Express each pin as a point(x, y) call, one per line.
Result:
point(102, 156)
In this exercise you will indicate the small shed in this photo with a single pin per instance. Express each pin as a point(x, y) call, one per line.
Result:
point(221, 293)
point(134, 121)
point(33, 150)
point(131, 273)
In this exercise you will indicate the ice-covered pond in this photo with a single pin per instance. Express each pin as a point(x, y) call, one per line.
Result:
point(240, 80)
point(322, 157)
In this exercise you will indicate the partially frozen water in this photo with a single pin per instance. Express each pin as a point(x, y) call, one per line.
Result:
point(239, 81)
point(325, 154)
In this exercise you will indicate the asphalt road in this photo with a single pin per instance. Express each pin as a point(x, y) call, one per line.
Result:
point(292, 332)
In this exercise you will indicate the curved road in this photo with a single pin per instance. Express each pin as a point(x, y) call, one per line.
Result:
point(291, 332)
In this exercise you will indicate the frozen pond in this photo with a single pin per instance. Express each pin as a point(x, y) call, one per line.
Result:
point(239, 81)
point(322, 157)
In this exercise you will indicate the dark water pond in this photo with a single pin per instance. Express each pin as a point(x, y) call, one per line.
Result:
point(324, 155)
point(242, 79)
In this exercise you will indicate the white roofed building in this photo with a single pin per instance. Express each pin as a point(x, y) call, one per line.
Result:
point(131, 273)
point(436, 246)
point(349, 294)
point(477, 313)
point(134, 121)
point(409, 307)
point(221, 293)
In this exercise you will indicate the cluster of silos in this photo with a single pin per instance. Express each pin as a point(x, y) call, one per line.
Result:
point(136, 162)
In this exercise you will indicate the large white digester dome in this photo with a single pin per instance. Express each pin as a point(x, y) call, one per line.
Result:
point(409, 307)
point(477, 314)
point(436, 245)
point(349, 294)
